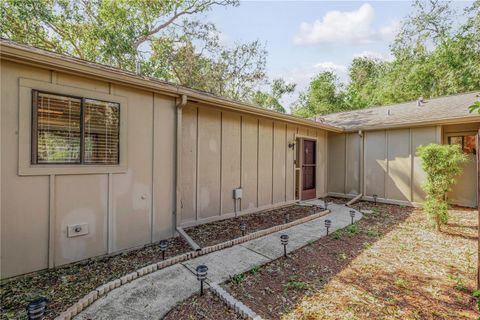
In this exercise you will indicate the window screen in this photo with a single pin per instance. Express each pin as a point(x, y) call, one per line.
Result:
point(101, 123)
point(467, 143)
point(69, 130)
point(58, 128)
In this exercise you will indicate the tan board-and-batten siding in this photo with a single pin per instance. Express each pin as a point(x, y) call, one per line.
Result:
point(132, 204)
point(225, 150)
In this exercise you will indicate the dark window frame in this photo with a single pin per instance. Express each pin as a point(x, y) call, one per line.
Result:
point(34, 131)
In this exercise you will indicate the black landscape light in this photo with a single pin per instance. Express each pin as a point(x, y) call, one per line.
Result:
point(36, 309)
point(163, 248)
point(243, 227)
point(326, 205)
point(201, 275)
point(352, 215)
point(328, 224)
point(284, 241)
point(374, 198)
point(286, 217)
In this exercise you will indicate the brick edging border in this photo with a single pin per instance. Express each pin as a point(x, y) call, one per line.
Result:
point(239, 307)
point(94, 295)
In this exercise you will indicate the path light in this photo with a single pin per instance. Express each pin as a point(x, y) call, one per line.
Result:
point(352, 215)
point(328, 224)
point(36, 309)
point(201, 275)
point(243, 227)
point(284, 241)
point(286, 217)
point(326, 205)
point(374, 198)
point(163, 248)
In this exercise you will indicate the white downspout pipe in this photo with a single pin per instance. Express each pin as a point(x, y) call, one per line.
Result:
point(178, 159)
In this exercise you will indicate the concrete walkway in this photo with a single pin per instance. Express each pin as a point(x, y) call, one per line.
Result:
point(153, 295)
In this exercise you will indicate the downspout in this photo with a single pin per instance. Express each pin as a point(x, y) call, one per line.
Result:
point(178, 174)
point(361, 169)
point(178, 159)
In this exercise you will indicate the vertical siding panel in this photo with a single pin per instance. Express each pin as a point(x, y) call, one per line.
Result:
point(279, 176)
point(399, 165)
point(132, 191)
point(265, 145)
point(321, 169)
point(231, 142)
point(375, 163)
point(189, 164)
point(352, 164)
point(420, 136)
point(336, 160)
point(249, 162)
point(164, 162)
point(209, 130)
point(290, 166)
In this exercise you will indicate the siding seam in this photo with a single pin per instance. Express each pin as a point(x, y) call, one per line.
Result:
point(51, 223)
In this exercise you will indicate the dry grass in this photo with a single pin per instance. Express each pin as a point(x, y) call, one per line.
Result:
point(413, 272)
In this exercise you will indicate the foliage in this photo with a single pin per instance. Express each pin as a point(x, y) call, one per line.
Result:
point(237, 278)
point(475, 107)
point(441, 163)
point(322, 96)
point(431, 57)
point(159, 38)
point(476, 295)
point(294, 283)
point(271, 100)
point(352, 229)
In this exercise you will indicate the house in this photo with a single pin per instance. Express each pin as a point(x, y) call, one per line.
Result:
point(96, 160)
point(376, 153)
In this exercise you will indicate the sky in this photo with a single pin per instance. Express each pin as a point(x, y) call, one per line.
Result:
point(304, 38)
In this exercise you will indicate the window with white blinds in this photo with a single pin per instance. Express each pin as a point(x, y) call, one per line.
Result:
point(74, 130)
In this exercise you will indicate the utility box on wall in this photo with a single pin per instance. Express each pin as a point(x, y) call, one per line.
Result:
point(237, 193)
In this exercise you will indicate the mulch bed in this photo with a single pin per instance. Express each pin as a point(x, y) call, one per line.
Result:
point(220, 231)
point(392, 264)
point(66, 285)
point(206, 307)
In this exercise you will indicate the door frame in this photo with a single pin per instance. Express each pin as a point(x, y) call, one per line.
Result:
point(298, 167)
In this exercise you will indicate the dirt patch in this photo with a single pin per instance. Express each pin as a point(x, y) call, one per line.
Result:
point(65, 286)
point(389, 265)
point(207, 307)
point(220, 231)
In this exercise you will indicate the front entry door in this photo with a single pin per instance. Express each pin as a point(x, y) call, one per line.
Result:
point(309, 162)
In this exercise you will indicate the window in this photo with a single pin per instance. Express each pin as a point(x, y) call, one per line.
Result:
point(74, 130)
point(467, 143)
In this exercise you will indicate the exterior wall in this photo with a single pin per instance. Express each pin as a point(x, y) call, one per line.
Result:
point(132, 204)
point(125, 207)
point(344, 163)
point(465, 190)
point(224, 150)
point(392, 171)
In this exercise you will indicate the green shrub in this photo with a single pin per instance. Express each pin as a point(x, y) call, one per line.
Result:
point(441, 163)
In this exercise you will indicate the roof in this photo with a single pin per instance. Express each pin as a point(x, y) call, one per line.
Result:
point(442, 110)
point(13, 51)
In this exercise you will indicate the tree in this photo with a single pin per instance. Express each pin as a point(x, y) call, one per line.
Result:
point(441, 163)
point(159, 36)
point(271, 100)
point(365, 74)
point(324, 95)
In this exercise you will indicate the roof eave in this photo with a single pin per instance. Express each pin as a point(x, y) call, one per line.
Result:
point(56, 62)
point(456, 120)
